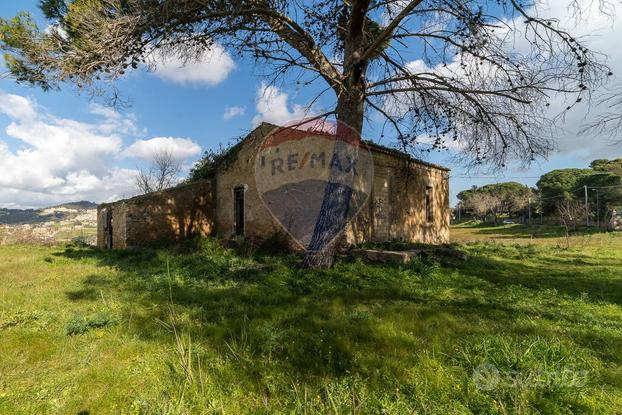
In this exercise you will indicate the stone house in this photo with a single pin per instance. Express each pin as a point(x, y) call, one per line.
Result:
point(409, 201)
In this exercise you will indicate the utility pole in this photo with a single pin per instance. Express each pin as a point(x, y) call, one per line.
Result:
point(587, 210)
point(529, 222)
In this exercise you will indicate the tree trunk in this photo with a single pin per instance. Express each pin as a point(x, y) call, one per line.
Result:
point(350, 114)
point(336, 203)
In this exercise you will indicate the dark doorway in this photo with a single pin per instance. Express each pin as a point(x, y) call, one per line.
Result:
point(238, 200)
point(429, 205)
point(108, 228)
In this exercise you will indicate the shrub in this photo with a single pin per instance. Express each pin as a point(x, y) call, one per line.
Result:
point(212, 161)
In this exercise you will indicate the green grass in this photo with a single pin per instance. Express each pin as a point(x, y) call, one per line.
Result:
point(199, 329)
point(521, 234)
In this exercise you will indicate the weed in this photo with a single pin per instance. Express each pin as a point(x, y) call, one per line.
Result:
point(424, 266)
point(81, 324)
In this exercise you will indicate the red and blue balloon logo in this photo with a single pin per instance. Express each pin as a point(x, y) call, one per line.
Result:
point(314, 177)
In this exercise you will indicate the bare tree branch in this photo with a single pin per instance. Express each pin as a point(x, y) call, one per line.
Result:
point(386, 33)
point(161, 174)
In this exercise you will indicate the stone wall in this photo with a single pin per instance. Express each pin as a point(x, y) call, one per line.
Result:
point(101, 223)
point(403, 202)
point(395, 210)
point(119, 217)
point(259, 223)
point(172, 215)
point(396, 207)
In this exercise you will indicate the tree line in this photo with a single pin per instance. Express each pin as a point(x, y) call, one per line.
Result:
point(560, 193)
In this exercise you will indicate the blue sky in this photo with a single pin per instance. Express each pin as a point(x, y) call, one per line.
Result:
point(48, 158)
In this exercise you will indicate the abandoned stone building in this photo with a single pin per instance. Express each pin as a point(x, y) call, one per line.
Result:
point(409, 201)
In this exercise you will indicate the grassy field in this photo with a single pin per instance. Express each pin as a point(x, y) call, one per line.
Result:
point(522, 234)
point(523, 326)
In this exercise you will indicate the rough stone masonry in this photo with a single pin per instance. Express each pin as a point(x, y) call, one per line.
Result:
point(409, 201)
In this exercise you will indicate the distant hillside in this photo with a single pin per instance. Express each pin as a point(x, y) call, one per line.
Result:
point(60, 213)
point(16, 216)
point(82, 205)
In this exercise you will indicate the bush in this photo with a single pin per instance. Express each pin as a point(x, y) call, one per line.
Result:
point(211, 162)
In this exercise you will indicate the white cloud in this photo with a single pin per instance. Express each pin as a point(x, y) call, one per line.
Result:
point(57, 160)
point(234, 111)
point(273, 107)
point(211, 69)
point(116, 184)
point(16, 107)
point(52, 148)
point(106, 112)
point(113, 121)
point(179, 148)
point(451, 145)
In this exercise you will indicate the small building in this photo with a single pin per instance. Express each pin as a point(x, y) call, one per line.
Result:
point(409, 201)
